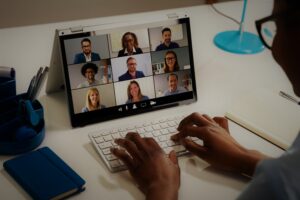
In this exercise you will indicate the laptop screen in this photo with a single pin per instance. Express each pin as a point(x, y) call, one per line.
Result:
point(116, 72)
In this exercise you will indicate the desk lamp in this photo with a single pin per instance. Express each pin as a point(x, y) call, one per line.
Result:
point(239, 41)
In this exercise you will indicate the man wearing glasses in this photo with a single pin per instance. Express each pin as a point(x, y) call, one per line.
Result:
point(158, 176)
point(87, 55)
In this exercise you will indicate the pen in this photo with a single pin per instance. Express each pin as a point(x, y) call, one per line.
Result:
point(289, 97)
point(39, 84)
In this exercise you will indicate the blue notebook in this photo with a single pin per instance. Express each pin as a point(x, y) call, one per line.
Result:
point(44, 175)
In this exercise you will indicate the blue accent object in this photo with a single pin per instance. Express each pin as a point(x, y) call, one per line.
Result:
point(44, 175)
point(239, 42)
point(232, 41)
point(19, 131)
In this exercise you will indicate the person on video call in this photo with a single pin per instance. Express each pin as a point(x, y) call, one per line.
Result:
point(131, 73)
point(166, 40)
point(92, 101)
point(173, 87)
point(130, 45)
point(171, 63)
point(87, 55)
point(89, 70)
point(134, 93)
point(158, 176)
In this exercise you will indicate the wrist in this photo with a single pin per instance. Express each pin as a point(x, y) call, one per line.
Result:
point(250, 159)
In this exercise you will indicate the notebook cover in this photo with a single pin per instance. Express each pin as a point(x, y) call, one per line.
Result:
point(44, 175)
point(268, 115)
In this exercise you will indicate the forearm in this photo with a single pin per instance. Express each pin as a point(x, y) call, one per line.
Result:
point(168, 192)
point(249, 161)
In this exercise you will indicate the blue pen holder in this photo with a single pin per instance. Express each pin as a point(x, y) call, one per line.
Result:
point(22, 126)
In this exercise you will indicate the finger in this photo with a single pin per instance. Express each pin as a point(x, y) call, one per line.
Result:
point(173, 157)
point(195, 148)
point(131, 148)
point(193, 119)
point(207, 117)
point(152, 143)
point(223, 122)
point(122, 155)
point(137, 140)
point(193, 131)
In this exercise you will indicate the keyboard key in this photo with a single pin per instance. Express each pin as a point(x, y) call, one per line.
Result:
point(105, 145)
point(107, 138)
point(99, 140)
point(114, 163)
point(111, 157)
point(106, 151)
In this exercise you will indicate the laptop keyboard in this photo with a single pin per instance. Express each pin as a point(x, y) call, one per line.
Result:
point(161, 130)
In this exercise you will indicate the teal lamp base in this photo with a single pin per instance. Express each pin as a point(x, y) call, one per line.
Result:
point(234, 42)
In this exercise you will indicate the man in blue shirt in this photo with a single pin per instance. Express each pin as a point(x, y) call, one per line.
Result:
point(131, 73)
point(87, 55)
point(158, 175)
point(173, 85)
point(167, 43)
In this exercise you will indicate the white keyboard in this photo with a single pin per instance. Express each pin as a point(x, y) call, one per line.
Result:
point(161, 130)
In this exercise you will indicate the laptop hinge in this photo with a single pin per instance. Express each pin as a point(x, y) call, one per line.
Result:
point(172, 16)
point(76, 29)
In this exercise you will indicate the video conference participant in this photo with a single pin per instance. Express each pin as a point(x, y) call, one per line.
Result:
point(130, 45)
point(134, 93)
point(273, 178)
point(173, 87)
point(166, 40)
point(87, 55)
point(131, 73)
point(89, 70)
point(92, 101)
point(171, 63)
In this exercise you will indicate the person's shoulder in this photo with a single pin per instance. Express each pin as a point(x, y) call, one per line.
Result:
point(144, 97)
point(84, 109)
point(174, 45)
point(140, 73)
point(138, 50)
point(159, 47)
point(123, 77)
point(121, 53)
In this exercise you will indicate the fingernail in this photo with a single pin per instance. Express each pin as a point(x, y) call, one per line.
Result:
point(112, 150)
point(174, 137)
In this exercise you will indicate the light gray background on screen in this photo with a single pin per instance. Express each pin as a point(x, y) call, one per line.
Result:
point(156, 37)
point(119, 65)
point(107, 97)
point(146, 85)
point(99, 45)
point(161, 82)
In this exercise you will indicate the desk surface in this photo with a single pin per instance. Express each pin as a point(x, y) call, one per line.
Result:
point(220, 76)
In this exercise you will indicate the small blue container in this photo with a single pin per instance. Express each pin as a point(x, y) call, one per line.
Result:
point(22, 126)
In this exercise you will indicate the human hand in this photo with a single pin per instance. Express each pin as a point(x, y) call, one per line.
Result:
point(219, 148)
point(157, 174)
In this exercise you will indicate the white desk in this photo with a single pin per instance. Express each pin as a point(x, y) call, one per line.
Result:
point(221, 77)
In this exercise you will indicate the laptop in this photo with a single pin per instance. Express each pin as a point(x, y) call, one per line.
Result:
point(116, 70)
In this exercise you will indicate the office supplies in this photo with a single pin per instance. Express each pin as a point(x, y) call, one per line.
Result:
point(39, 83)
point(7, 82)
point(289, 97)
point(152, 81)
point(160, 129)
point(44, 175)
point(240, 41)
point(268, 115)
point(7, 72)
